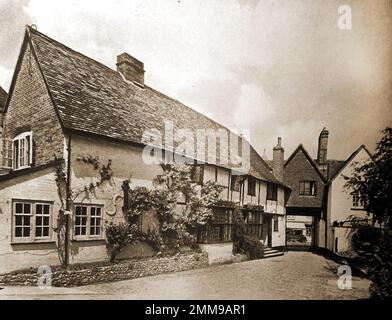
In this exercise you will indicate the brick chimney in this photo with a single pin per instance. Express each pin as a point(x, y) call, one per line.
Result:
point(131, 68)
point(322, 147)
point(278, 160)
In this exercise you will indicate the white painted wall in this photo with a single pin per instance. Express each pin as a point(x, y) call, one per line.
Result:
point(340, 204)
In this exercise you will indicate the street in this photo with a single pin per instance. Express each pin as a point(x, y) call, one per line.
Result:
point(296, 275)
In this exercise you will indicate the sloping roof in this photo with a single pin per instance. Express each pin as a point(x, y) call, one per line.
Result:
point(349, 159)
point(3, 98)
point(314, 165)
point(334, 166)
point(92, 98)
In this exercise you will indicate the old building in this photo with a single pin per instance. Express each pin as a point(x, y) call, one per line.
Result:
point(3, 98)
point(64, 105)
point(319, 193)
point(343, 207)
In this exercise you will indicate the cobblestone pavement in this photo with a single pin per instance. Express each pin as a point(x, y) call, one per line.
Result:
point(296, 275)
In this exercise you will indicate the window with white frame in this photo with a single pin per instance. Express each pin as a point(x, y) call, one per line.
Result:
point(32, 221)
point(22, 150)
point(88, 221)
point(17, 153)
point(6, 153)
point(357, 201)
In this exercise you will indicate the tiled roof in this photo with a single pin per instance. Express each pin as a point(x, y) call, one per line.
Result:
point(343, 164)
point(92, 98)
point(3, 98)
point(334, 166)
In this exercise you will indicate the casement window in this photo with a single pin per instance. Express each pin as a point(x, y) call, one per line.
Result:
point(6, 153)
point(235, 183)
point(272, 191)
point(88, 221)
point(307, 188)
point(197, 174)
point(219, 229)
point(357, 201)
point(276, 224)
point(251, 186)
point(32, 221)
point(254, 224)
point(17, 153)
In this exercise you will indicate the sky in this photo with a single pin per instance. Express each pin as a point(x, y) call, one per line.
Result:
point(276, 67)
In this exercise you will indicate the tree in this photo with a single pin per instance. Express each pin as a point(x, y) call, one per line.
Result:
point(373, 181)
point(373, 184)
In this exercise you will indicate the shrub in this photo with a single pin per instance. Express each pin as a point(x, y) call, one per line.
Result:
point(252, 248)
point(242, 243)
point(380, 268)
point(365, 239)
point(118, 236)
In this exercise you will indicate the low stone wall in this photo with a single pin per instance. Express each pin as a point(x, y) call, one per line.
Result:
point(121, 271)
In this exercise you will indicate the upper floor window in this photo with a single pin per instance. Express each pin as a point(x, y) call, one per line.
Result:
point(32, 221)
point(251, 186)
point(307, 188)
point(235, 183)
point(197, 174)
point(272, 191)
point(357, 201)
point(18, 152)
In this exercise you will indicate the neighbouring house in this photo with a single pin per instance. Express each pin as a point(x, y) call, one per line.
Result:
point(3, 98)
point(319, 192)
point(65, 105)
point(344, 208)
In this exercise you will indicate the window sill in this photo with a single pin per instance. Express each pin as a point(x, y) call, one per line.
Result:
point(22, 168)
point(18, 242)
point(305, 196)
point(88, 239)
point(358, 209)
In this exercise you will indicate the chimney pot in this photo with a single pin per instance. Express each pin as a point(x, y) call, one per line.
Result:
point(131, 68)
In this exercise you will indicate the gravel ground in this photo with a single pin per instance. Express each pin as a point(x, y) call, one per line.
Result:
point(296, 275)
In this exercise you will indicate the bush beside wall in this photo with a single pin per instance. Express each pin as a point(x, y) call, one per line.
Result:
point(114, 272)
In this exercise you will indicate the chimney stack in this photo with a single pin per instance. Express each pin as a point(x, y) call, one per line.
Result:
point(322, 147)
point(278, 160)
point(131, 69)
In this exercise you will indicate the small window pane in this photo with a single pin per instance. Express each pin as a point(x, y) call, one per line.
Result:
point(18, 220)
point(26, 220)
point(45, 232)
point(26, 232)
point(19, 208)
point(27, 208)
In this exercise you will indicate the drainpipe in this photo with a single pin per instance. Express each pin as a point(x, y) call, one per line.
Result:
point(68, 204)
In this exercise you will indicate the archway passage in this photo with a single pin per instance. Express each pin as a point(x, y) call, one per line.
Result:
point(300, 231)
point(304, 228)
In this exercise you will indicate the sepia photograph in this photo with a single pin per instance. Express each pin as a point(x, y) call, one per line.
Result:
point(214, 152)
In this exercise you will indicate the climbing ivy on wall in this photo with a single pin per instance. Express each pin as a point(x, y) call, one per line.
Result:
point(178, 222)
point(105, 175)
